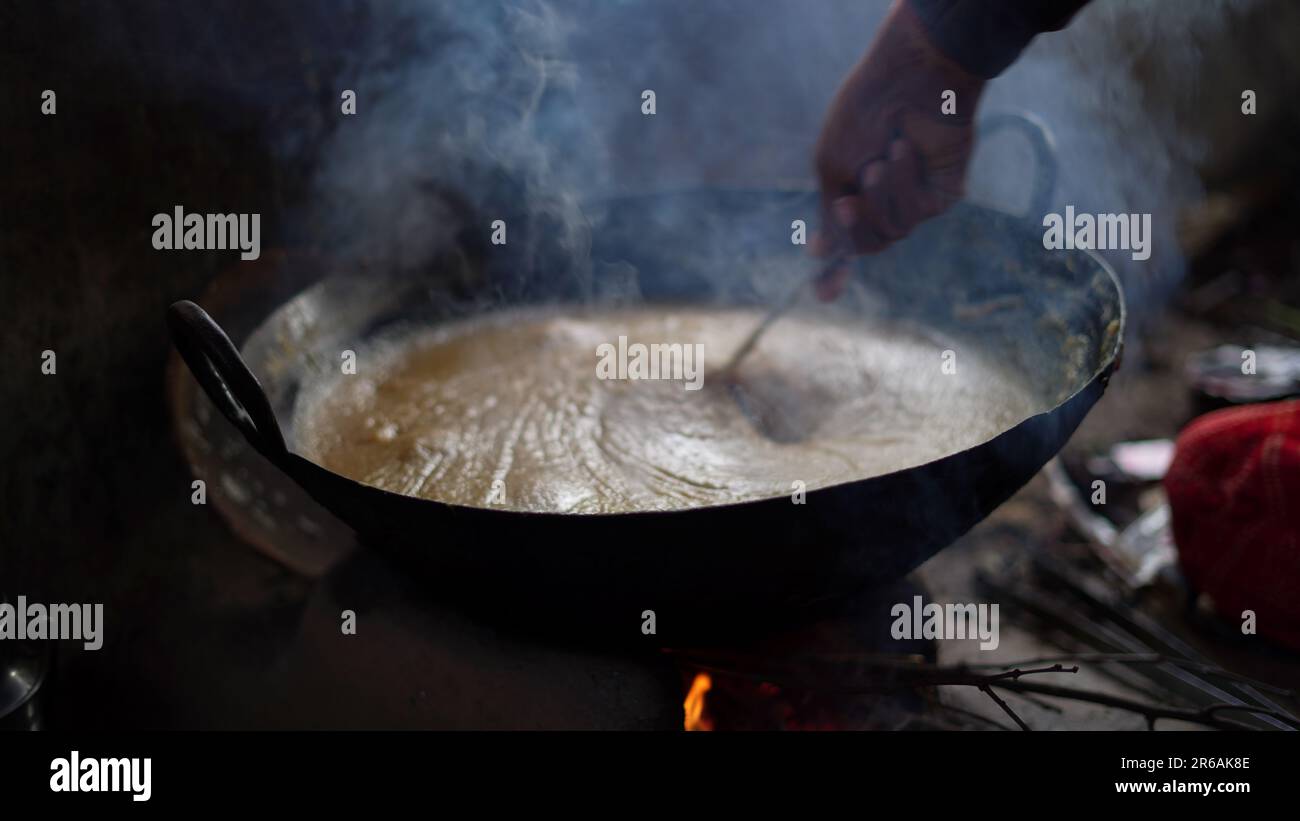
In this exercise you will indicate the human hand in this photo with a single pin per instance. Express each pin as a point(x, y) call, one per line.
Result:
point(888, 156)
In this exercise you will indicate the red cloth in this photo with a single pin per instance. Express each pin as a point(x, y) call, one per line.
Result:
point(1234, 495)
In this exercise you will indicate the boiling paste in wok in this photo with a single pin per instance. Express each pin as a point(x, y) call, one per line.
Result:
point(507, 411)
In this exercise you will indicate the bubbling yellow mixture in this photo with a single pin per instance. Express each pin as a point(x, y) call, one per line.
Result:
point(511, 411)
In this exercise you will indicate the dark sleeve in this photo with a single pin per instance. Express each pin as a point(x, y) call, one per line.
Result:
point(986, 36)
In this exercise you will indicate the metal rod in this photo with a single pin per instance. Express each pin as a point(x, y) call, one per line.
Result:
point(776, 311)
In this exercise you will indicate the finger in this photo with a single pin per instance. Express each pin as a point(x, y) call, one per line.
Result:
point(943, 165)
point(821, 244)
point(850, 214)
point(903, 179)
point(875, 204)
point(830, 241)
point(844, 216)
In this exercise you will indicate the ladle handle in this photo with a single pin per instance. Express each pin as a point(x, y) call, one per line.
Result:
point(220, 370)
point(1041, 142)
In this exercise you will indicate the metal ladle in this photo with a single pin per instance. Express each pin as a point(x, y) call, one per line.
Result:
point(774, 313)
point(774, 414)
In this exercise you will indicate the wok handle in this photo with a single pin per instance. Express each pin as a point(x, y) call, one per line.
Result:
point(220, 370)
point(1043, 145)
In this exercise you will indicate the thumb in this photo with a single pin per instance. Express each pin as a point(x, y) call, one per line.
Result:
point(820, 245)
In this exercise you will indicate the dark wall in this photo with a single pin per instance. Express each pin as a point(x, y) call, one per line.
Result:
point(157, 105)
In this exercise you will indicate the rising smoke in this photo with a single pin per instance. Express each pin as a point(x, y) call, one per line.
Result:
point(539, 103)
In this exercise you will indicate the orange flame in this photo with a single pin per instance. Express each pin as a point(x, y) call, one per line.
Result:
point(694, 704)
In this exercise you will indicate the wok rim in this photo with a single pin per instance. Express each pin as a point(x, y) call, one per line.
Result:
point(295, 464)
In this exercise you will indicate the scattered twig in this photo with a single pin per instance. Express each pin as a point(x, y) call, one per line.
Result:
point(972, 714)
point(1041, 703)
point(1153, 658)
point(900, 673)
point(897, 674)
point(1006, 708)
point(1207, 715)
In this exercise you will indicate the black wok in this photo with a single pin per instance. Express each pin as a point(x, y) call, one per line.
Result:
point(977, 276)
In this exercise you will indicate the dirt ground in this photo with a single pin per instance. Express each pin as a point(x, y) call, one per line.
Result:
point(1148, 398)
